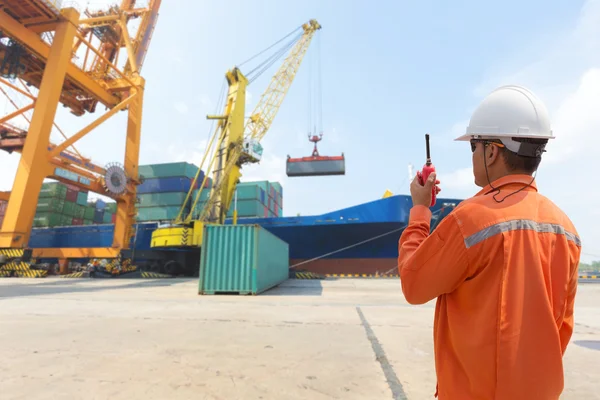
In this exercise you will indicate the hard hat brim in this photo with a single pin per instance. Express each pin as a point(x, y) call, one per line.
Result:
point(468, 136)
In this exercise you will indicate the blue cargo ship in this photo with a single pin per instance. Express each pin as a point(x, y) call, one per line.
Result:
point(362, 239)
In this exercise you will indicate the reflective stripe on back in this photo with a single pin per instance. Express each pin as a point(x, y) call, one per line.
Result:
point(519, 224)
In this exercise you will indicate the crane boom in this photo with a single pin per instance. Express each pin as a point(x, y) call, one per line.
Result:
point(261, 119)
point(236, 145)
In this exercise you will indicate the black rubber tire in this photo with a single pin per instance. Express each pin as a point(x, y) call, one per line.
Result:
point(155, 267)
point(172, 267)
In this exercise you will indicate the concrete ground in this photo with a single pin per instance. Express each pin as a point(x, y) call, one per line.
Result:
point(157, 339)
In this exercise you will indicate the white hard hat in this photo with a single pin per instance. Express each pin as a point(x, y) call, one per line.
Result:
point(509, 111)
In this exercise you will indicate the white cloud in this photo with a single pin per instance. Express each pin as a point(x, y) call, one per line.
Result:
point(460, 183)
point(567, 79)
point(181, 107)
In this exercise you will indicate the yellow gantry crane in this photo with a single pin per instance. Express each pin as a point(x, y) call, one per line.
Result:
point(72, 59)
point(235, 144)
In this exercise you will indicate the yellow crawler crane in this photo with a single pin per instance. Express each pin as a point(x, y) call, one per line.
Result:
point(234, 144)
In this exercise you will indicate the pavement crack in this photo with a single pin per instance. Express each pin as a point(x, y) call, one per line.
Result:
point(390, 375)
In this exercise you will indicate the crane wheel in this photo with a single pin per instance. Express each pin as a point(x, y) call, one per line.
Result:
point(155, 267)
point(172, 267)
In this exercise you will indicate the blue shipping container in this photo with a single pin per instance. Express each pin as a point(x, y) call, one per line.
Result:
point(100, 204)
point(164, 185)
point(88, 236)
point(98, 216)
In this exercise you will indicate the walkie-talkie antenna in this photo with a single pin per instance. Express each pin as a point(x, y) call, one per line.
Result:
point(427, 149)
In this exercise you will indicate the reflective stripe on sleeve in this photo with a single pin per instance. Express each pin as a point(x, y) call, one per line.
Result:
point(520, 224)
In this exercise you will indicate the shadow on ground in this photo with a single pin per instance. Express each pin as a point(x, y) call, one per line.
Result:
point(293, 287)
point(589, 344)
point(75, 286)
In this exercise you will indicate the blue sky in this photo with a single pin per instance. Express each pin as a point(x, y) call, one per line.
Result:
point(392, 71)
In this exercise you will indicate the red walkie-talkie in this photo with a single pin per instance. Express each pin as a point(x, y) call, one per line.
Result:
point(428, 168)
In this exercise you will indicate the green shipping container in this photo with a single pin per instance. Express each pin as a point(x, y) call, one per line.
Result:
point(168, 170)
point(162, 199)
point(66, 220)
point(111, 208)
point(47, 220)
point(244, 259)
point(158, 213)
point(88, 222)
point(203, 196)
point(69, 209)
point(79, 211)
point(54, 190)
point(88, 212)
point(107, 218)
point(247, 208)
point(49, 204)
point(264, 185)
point(82, 198)
point(248, 192)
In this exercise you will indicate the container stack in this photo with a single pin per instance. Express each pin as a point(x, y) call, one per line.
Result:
point(164, 189)
point(60, 204)
point(260, 199)
point(99, 212)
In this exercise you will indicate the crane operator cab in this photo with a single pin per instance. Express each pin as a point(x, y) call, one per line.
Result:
point(316, 165)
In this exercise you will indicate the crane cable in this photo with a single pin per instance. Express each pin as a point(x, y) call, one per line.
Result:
point(315, 108)
point(272, 59)
point(271, 46)
point(368, 240)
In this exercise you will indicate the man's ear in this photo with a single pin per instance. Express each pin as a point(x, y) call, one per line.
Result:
point(492, 155)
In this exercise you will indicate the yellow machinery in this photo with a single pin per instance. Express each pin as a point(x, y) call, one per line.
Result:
point(73, 60)
point(235, 144)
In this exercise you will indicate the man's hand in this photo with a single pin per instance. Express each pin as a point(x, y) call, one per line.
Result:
point(421, 195)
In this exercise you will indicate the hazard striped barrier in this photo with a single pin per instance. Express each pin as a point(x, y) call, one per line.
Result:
point(32, 273)
point(307, 275)
point(79, 274)
point(154, 275)
point(362, 276)
point(589, 276)
point(5, 274)
point(12, 266)
point(12, 253)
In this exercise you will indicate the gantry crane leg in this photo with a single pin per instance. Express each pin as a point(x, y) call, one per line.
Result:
point(126, 209)
point(34, 164)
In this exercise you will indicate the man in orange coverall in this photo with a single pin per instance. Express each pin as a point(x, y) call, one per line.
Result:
point(503, 264)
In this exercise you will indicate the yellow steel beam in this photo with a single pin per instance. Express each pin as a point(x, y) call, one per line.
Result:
point(97, 21)
point(128, 45)
point(31, 40)
point(33, 164)
point(18, 89)
point(90, 127)
point(45, 27)
point(16, 113)
point(98, 252)
point(125, 210)
point(106, 60)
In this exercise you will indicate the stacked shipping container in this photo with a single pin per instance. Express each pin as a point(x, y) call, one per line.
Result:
point(164, 189)
point(261, 199)
point(100, 212)
point(61, 204)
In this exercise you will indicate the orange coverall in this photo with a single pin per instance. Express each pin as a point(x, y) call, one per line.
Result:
point(505, 277)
